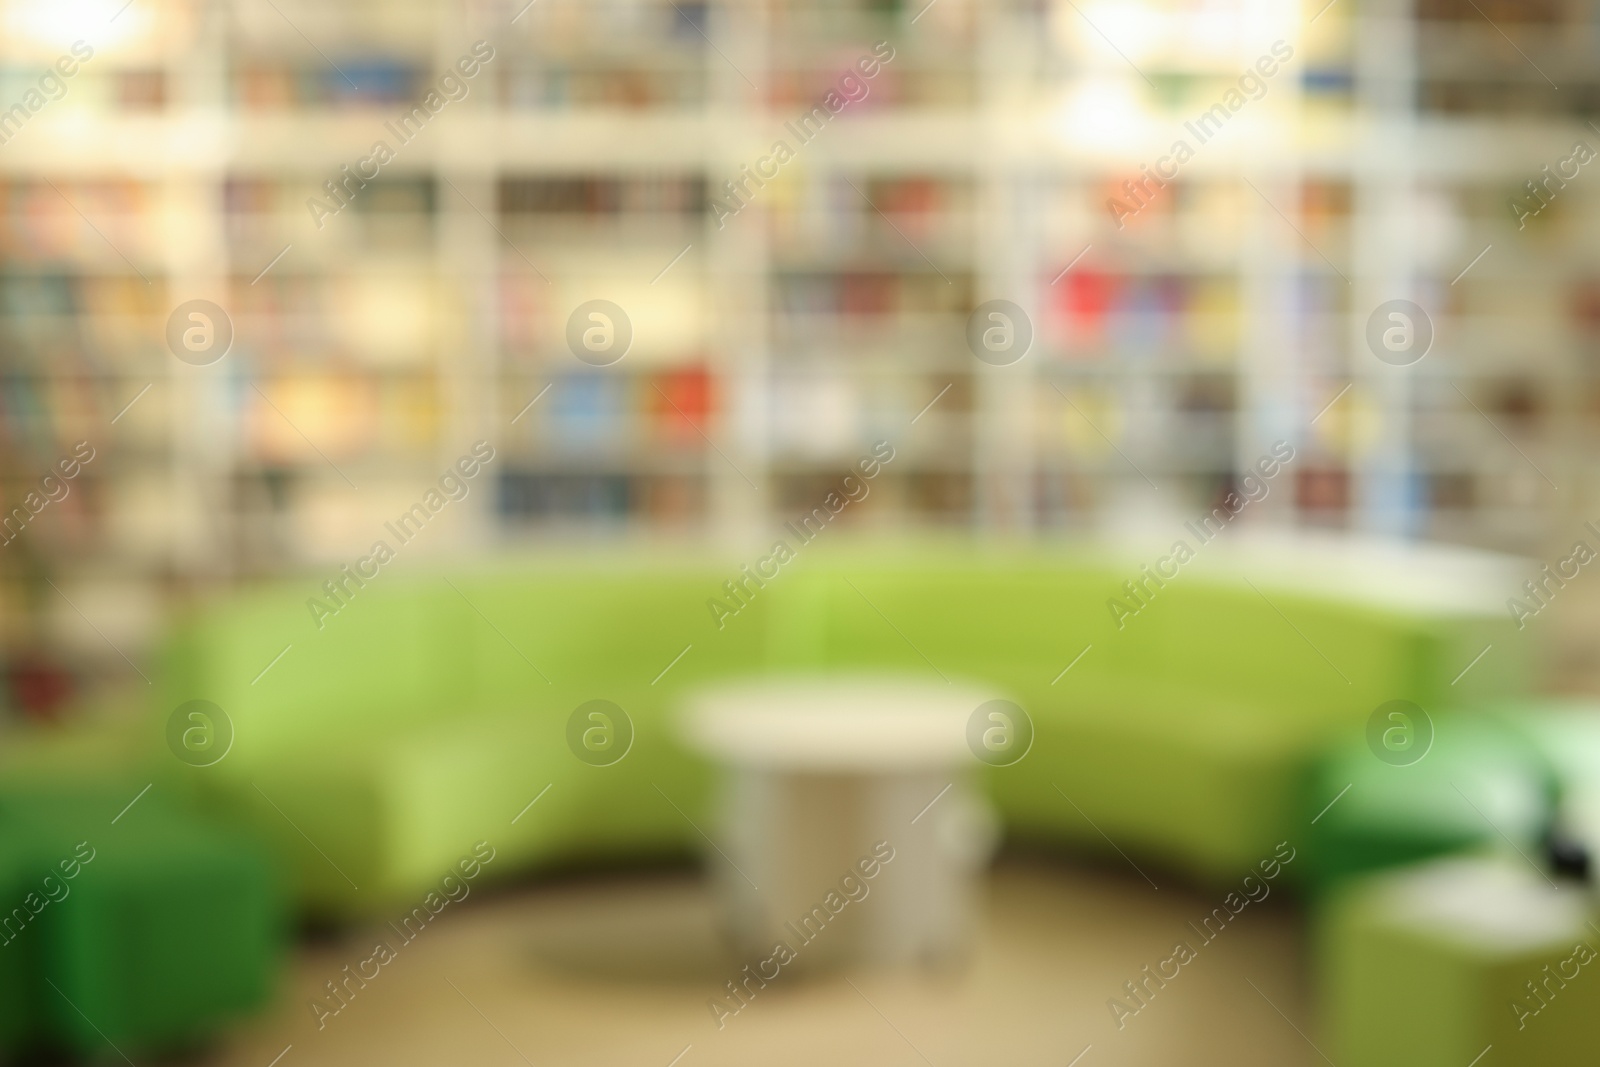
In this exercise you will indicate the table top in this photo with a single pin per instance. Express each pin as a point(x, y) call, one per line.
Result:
point(836, 723)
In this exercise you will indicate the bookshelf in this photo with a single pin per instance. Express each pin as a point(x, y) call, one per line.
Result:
point(773, 347)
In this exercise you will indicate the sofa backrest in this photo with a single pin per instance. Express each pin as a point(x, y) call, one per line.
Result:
point(548, 634)
point(381, 663)
point(1272, 642)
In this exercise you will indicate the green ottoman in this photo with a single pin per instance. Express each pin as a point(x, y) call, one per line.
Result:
point(150, 932)
point(21, 948)
point(1431, 966)
point(1480, 778)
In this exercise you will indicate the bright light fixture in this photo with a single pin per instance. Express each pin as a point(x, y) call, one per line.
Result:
point(35, 28)
point(1103, 115)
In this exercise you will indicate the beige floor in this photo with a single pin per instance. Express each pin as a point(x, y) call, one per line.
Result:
point(617, 971)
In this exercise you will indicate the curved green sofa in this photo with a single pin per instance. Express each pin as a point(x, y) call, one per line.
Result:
point(431, 710)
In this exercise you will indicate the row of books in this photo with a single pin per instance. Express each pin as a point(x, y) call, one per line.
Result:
point(928, 492)
point(582, 194)
point(25, 295)
point(600, 84)
point(902, 196)
point(1320, 489)
point(35, 212)
point(293, 310)
point(601, 195)
point(37, 412)
point(309, 418)
point(1329, 488)
point(532, 87)
point(803, 413)
point(64, 348)
point(24, 199)
point(871, 293)
point(126, 90)
point(586, 411)
point(660, 499)
point(620, 496)
point(1086, 308)
point(388, 318)
point(841, 208)
point(344, 414)
point(1525, 12)
point(244, 195)
point(1084, 311)
point(1509, 94)
point(398, 83)
point(1098, 312)
point(370, 81)
point(277, 419)
point(42, 220)
point(91, 222)
point(1319, 206)
point(825, 414)
point(559, 83)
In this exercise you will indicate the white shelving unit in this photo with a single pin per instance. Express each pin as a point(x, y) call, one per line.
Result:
point(1165, 362)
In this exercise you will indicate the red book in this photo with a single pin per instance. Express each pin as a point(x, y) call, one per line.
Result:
point(681, 402)
point(1085, 297)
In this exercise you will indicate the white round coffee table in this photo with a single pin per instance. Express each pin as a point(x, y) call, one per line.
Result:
point(848, 830)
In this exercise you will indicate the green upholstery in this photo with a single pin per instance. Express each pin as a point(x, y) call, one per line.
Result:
point(22, 955)
point(1428, 967)
point(368, 795)
point(369, 754)
point(150, 932)
point(1482, 777)
point(1566, 736)
point(177, 933)
point(1188, 733)
point(1202, 783)
point(431, 709)
point(383, 663)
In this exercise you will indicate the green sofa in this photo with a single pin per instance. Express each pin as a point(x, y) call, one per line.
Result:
point(432, 709)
